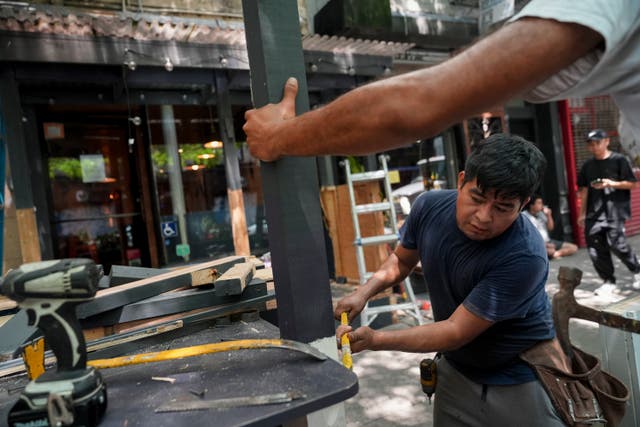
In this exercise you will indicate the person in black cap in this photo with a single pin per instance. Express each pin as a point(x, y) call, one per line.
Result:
point(605, 182)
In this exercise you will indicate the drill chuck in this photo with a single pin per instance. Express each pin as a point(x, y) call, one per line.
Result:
point(428, 377)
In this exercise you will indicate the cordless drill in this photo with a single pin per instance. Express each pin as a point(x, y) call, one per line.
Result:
point(73, 394)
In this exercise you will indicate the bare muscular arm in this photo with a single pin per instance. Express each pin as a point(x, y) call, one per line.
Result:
point(459, 329)
point(395, 112)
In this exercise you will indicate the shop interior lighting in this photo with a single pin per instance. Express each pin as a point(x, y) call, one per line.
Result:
point(213, 144)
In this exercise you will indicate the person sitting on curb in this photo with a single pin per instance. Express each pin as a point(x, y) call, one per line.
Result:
point(542, 218)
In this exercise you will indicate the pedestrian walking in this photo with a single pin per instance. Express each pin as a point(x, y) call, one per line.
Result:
point(604, 182)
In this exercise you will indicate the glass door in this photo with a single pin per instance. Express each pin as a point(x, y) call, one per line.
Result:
point(94, 187)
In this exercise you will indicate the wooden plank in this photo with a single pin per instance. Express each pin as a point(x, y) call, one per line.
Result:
point(238, 221)
point(28, 230)
point(234, 280)
point(256, 261)
point(296, 235)
point(121, 274)
point(171, 303)
point(195, 316)
point(265, 274)
point(205, 277)
point(111, 298)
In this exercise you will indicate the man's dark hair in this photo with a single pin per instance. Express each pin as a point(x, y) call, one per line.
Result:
point(508, 164)
point(533, 199)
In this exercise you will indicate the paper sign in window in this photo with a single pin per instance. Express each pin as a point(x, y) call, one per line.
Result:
point(92, 166)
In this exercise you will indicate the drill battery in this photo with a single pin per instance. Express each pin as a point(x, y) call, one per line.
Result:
point(65, 398)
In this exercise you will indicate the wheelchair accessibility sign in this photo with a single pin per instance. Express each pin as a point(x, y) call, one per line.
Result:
point(169, 228)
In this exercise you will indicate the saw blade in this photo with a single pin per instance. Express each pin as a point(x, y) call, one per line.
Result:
point(230, 402)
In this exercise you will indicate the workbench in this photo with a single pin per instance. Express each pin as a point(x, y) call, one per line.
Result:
point(133, 395)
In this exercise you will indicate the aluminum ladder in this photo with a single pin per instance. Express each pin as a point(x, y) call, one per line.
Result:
point(369, 314)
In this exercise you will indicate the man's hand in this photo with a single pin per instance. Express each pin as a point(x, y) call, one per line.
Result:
point(360, 339)
point(604, 183)
point(260, 126)
point(352, 304)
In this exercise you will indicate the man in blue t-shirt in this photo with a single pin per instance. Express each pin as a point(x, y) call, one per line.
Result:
point(485, 267)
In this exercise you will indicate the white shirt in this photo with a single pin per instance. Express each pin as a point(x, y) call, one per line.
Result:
point(540, 222)
point(614, 71)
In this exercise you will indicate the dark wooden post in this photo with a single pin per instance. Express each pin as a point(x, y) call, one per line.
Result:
point(290, 185)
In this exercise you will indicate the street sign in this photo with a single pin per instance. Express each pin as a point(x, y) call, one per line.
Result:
point(169, 228)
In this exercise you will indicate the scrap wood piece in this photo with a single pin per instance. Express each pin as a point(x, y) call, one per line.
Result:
point(256, 261)
point(234, 280)
point(265, 274)
point(171, 303)
point(111, 298)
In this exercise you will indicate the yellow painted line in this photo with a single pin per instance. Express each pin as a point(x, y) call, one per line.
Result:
point(347, 360)
point(198, 350)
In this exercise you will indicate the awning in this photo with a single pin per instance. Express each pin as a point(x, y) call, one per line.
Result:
point(62, 35)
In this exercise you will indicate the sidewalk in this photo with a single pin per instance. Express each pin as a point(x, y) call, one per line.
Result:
point(390, 392)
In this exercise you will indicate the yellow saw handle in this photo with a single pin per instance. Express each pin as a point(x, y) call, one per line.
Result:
point(347, 360)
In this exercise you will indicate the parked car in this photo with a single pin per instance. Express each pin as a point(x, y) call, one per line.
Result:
point(403, 197)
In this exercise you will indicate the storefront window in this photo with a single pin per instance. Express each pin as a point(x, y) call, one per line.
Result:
point(189, 173)
point(93, 190)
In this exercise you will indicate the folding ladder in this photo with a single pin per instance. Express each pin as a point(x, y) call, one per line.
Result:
point(369, 313)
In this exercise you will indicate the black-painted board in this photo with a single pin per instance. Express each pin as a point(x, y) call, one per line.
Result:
point(121, 274)
point(133, 396)
point(118, 296)
point(290, 185)
point(171, 303)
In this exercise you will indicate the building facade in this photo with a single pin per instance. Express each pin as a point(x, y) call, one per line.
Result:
point(123, 128)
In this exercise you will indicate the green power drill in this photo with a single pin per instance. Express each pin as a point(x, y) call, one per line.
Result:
point(49, 292)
